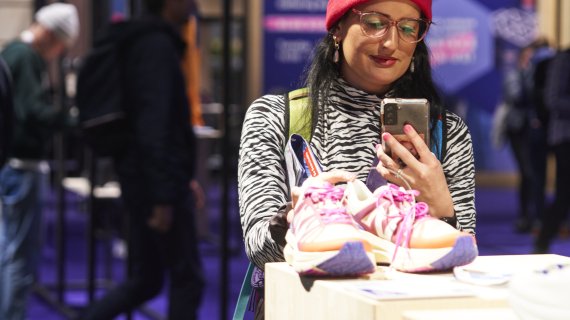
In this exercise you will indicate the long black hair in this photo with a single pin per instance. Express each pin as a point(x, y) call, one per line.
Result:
point(322, 72)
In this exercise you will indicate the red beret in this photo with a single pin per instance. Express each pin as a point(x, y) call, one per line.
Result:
point(337, 8)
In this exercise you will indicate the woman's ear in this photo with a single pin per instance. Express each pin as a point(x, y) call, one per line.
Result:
point(336, 32)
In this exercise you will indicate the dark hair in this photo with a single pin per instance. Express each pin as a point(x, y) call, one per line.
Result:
point(322, 72)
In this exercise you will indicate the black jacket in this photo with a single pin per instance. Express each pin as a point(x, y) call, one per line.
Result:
point(6, 111)
point(35, 118)
point(159, 163)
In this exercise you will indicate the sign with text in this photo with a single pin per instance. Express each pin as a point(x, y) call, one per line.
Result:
point(292, 28)
point(460, 42)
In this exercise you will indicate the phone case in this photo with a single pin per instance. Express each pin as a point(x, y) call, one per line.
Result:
point(396, 112)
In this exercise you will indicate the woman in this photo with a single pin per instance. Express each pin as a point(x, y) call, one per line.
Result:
point(368, 54)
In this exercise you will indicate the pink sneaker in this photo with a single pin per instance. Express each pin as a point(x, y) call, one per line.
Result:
point(403, 233)
point(323, 239)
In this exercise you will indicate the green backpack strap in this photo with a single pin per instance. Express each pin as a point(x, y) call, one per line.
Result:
point(297, 102)
point(244, 294)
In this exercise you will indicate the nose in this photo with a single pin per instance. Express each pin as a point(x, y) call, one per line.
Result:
point(391, 39)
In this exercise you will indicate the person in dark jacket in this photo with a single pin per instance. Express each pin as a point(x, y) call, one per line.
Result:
point(525, 130)
point(35, 119)
point(155, 172)
point(557, 99)
point(6, 110)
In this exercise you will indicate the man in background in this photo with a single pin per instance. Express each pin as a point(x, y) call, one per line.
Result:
point(155, 170)
point(557, 100)
point(54, 29)
point(6, 112)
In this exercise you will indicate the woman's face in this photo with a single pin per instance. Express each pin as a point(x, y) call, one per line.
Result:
point(373, 64)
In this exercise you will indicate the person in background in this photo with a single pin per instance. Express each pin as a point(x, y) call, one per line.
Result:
point(373, 49)
point(6, 112)
point(191, 66)
point(539, 120)
point(54, 29)
point(557, 100)
point(525, 125)
point(155, 171)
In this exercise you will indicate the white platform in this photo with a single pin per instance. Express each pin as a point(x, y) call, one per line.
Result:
point(421, 296)
point(82, 187)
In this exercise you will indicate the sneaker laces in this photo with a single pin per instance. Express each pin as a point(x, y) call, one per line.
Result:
point(329, 197)
point(327, 208)
point(409, 211)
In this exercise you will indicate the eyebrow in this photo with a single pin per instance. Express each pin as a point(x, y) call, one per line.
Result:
point(387, 15)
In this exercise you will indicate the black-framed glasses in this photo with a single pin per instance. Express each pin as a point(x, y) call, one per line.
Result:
point(376, 25)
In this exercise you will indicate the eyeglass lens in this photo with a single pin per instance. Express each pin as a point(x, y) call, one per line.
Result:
point(376, 25)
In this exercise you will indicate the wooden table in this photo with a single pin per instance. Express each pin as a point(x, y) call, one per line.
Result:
point(289, 296)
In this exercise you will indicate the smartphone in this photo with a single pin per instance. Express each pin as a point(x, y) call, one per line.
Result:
point(396, 112)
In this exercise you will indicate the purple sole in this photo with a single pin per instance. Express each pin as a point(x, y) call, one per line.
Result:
point(464, 251)
point(351, 260)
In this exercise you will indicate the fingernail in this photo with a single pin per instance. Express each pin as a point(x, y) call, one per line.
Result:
point(377, 147)
point(385, 136)
point(407, 128)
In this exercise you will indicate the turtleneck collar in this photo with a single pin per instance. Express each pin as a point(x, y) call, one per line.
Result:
point(351, 90)
point(342, 85)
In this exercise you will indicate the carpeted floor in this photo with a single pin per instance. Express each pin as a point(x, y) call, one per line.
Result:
point(496, 209)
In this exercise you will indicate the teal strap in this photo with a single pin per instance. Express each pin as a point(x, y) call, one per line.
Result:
point(437, 140)
point(244, 294)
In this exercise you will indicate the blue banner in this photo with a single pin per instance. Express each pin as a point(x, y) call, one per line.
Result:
point(472, 44)
point(292, 28)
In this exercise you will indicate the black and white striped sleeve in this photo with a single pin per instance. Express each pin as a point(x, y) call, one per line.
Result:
point(262, 186)
point(459, 169)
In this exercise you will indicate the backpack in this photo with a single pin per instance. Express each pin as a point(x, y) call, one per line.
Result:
point(100, 88)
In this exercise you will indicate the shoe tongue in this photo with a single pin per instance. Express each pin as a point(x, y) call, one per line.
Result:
point(374, 180)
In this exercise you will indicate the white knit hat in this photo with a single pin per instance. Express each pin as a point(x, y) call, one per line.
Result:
point(60, 18)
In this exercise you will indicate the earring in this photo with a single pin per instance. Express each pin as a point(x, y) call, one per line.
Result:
point(412, 65)
point(336, 49)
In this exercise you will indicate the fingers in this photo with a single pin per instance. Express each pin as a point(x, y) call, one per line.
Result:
point(159, 225)
point(290, 215)
point(395, 169)
point(160, 219)
point(417, 141)
point(409, 152)
point(332, 177)
point(336, 176)
point(295, 194)
point(385, 161)
point(400, 157)
point(199, 194)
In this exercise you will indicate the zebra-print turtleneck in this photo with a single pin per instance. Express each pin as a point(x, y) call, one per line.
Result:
point(344, 138)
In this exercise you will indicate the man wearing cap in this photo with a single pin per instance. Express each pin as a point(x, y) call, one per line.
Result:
point(54, 29)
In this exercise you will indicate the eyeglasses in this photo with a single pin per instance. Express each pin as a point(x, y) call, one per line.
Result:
point(376, 25)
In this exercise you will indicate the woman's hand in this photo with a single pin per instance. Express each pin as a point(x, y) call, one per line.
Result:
point(421, 169)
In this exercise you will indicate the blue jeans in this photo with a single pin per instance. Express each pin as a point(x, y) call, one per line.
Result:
point(19, 239)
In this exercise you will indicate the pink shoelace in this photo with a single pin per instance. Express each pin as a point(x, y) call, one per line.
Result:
point(416, 211)
point(329, 195)
point(326, 203)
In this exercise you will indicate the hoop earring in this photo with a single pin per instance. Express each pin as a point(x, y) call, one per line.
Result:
point(412, 65)
point(336, 50)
